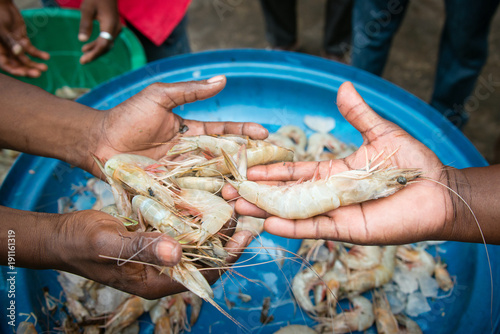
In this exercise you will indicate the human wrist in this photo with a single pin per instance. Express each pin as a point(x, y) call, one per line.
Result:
point(458, 214)
point(35, 237)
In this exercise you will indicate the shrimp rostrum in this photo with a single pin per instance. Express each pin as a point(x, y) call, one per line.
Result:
point(311, 198)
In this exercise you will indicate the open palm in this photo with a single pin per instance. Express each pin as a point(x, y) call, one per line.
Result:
point(145, 123)
point(423, 210)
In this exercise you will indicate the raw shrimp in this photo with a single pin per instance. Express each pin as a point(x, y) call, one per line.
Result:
point(296, 134)
point(363, 280)
point(303, 282)
point(136, 179)
point(210, 184)
point(210, 144)
point(359, 319)
point(361, 257)
point(442, 276)
point(27, 327)
point(263, 153)
point(312, 198)
point(384, 319)
point(416, 259)
point(213, 211)
point(125, 315)
point(252, 224)
point(334, 278)
point(189, 276)
point(159, 217)
point(408, 326)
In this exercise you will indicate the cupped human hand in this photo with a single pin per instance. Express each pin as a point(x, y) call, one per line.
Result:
point(145, 123)
point(97, 246)
point(15, 46)
point(106, 13)
point(423, 210)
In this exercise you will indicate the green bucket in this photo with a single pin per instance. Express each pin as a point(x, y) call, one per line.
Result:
point(55, 30)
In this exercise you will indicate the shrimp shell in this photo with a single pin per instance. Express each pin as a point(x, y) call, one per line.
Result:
point(210, 184)
point(359, 319)
point(311, 198)
point(213, 210)
point(262, 154)
point(159, 217)
point(137, 179)
point(212, 144)
point(384, 318)
point(364, 280)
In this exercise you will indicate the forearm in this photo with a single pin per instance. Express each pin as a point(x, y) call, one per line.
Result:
point(480, 188)
point(28, 239)
point(36, 122)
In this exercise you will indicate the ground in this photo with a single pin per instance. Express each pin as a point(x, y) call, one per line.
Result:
point(224, 24)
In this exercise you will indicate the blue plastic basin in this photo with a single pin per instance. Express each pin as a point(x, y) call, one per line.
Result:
point(273, 88)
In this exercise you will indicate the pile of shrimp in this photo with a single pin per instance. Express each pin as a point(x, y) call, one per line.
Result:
point(90, 307)
point(397, 278)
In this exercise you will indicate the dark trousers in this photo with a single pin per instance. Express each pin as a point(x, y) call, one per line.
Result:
point(281, 24)
point(462, 52)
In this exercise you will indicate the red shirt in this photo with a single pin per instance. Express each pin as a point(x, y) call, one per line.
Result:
point(155, 19)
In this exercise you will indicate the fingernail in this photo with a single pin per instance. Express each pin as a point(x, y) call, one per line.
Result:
point(215, 79)
point(168, 252)
point(82, 37)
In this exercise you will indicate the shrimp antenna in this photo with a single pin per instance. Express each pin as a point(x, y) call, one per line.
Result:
point(482, 237)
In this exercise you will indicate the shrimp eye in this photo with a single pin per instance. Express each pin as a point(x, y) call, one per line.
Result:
point(401, 180)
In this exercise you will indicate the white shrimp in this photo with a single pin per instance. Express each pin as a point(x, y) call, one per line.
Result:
point(417, 260)
point(364, 280)
point(136, 179)
point(361, 257)
point(210, 184)
point(252, 224)
point(384, 318)
point(442, 276)
point(359, 319)
point(159, 217)
point(210, 144)
point(312, 198)
point(213, 211)
point(303, 282)
point(260, 154)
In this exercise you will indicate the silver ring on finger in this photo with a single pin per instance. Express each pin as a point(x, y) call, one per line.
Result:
point(106, 35)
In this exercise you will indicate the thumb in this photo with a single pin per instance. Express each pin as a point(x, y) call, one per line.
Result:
point(355, 110)
point(171, 95)
point(86, 23)
point(151, 247)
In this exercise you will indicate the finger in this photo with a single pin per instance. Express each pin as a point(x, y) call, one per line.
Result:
point(12, 67)
point(109, 20)
point(246, 208)
point(253, 130)
point(89, 46)
point(86, 23)
point(171, 95)
point(357, 112)
point(311, 228)
point(94, 50)
point(150, 247)
point(237, 244)
point(32, 50)
point(32, 67)
point(293, 171)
